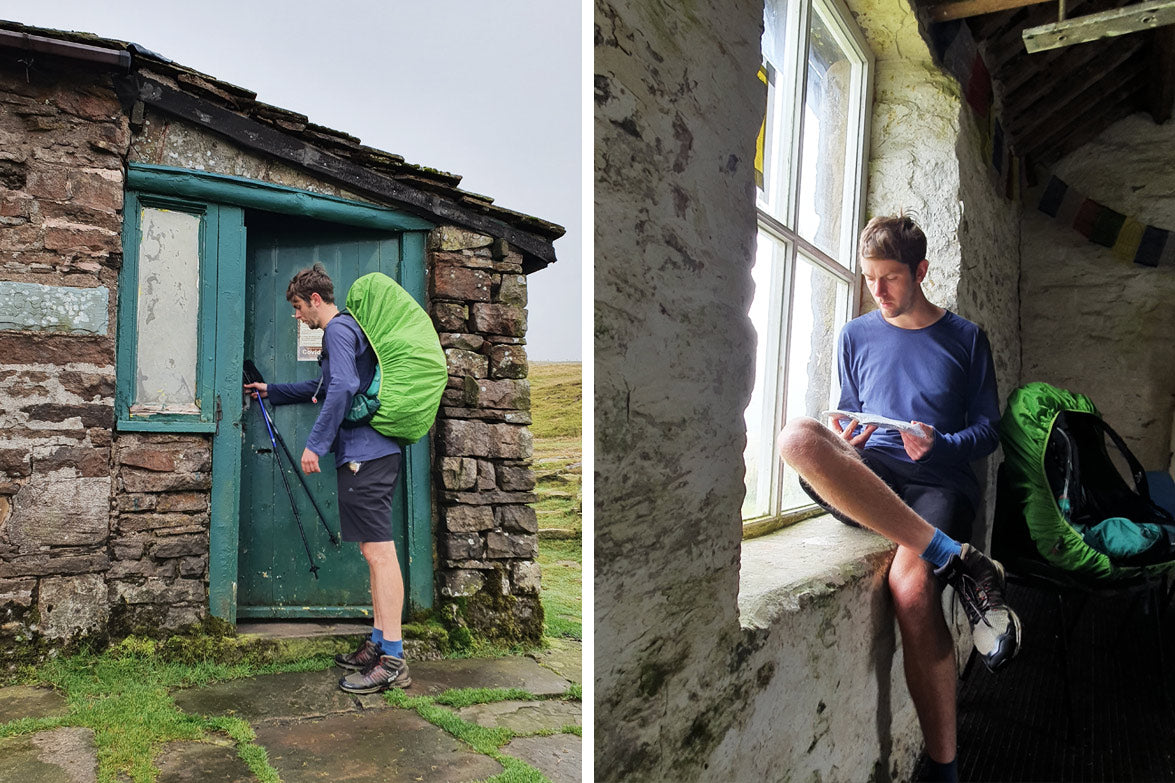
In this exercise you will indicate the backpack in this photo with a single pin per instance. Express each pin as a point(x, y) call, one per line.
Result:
point(411, 369)
point(1060, 479)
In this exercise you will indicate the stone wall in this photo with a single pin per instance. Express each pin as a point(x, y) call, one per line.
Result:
point(487, 536)
point(1096, 324)
point(677, 110)
point(158, 574)
point(62, 138)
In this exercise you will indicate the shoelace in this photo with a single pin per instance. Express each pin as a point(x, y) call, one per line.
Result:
point(975, 601)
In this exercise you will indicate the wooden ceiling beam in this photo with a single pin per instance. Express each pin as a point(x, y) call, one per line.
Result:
point(1005, 49)
point(1082, 29)
point(1069, 105)
point(1161, 74)
point(1032, 78)
point(1062, 139)
point(961, 9)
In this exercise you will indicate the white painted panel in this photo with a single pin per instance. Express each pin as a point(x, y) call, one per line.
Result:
point(168, 310)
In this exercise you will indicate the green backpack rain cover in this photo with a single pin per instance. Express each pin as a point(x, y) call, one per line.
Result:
point(1025, 429)
point(412, 366)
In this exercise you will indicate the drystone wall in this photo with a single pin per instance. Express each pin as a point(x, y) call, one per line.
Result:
point(487, 536)
point(62, 138)
point(1096, 324)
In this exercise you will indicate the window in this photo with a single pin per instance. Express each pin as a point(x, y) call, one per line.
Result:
point(167, 314)
point(809, 177)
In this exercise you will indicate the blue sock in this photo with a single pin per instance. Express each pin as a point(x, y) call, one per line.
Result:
point(389, 647)
point(941, 547)
point(377, 635)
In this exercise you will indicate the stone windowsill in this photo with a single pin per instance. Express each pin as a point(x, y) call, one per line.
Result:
point(784, 570)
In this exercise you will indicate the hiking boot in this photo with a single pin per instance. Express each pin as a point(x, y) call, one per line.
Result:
point(364, 658)
point(979, 584)
point(388, 672)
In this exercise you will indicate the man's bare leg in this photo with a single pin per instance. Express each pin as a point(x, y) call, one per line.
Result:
point(928, 652)
point(387, 586)
point(834, 469)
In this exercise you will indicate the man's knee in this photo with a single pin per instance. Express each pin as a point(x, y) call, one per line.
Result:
point(913, 587)
point(378, 553)
point(800, 441)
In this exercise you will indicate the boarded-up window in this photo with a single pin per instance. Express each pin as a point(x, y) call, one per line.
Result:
point(167, 312)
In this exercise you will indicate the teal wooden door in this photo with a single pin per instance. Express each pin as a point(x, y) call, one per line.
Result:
point(273, 572)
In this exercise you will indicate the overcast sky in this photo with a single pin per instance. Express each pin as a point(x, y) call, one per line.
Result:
point(488, 89)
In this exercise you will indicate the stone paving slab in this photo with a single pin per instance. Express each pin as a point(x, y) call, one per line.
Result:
point(525, 717)
point(64, 755)
point(430, 678)
point(564, 657)
point(559, 757)
point(201, 762)
point(391, 746)
point(271, 697)
point(26, 701)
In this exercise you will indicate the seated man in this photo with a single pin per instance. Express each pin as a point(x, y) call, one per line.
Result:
point(914, 361)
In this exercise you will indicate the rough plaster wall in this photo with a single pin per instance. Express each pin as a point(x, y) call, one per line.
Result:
point(678, 107)
point(1095, 324)
point(167, 141)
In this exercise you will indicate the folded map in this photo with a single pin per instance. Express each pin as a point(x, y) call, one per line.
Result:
point(865, 419)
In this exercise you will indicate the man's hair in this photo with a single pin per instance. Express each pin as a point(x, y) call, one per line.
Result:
point(314, 280)
point(893, 237)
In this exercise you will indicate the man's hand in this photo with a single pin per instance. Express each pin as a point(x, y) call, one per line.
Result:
point(918, 446)
point(258, 390)
point(310, 462)
point(847, 432)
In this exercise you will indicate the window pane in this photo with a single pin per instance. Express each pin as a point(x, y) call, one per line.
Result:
point(167, 310)
point(819, 307)
point(828, 161)
point(761, 417)
point(772, 158)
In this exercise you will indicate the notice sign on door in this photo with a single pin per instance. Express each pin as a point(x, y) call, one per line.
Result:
point(309, 343)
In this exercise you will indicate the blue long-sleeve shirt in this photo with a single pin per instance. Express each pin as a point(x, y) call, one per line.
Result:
point(347, 358)
point(941, 375)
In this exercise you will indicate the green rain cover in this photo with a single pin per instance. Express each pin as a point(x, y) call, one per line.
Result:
point(412, 365)
point(1024, 431)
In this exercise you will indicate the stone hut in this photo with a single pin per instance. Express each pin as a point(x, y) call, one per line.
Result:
point(722, 654)
point(150, 217)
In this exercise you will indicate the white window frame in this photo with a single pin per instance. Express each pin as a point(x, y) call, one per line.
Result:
point(780, 219)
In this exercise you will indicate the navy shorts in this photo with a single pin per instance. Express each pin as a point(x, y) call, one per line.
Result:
point(948, 510)
point(365, 498)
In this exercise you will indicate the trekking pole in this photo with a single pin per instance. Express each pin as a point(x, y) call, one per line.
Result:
point(253, 375)
point(321, 517)
point(289, 491)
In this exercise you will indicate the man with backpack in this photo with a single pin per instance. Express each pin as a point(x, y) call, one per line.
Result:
point(912, 361)
point(368, 466)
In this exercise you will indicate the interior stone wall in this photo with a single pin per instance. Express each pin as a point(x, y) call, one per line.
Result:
point(1093, 323)
point(677, 110)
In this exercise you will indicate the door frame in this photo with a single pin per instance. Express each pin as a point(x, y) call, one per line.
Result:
point(230, 270)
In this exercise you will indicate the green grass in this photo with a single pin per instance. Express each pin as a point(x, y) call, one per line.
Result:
point(124, 698)
point(556, 405)
point(556, 399)
point(488, 741)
